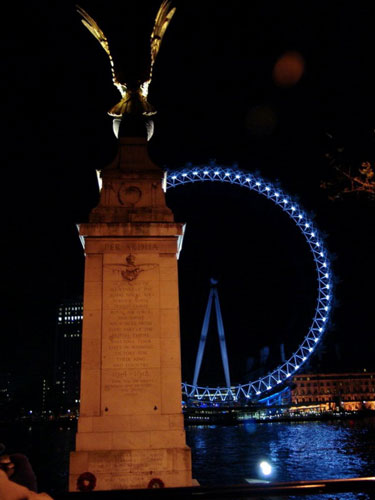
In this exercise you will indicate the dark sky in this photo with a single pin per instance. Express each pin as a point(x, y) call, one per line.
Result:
point(216, 99)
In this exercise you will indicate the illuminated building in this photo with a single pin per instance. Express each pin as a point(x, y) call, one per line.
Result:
point(67, 366)
point(349, 391)
point(5, 388)
point(19, 397)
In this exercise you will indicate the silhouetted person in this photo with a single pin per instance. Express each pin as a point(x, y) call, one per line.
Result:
point(18, 469)
point(13, 491)
point(23, 472)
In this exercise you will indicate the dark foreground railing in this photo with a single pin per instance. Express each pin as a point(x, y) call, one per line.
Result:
point(365, 485)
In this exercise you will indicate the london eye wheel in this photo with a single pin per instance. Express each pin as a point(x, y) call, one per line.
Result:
point(253, 389)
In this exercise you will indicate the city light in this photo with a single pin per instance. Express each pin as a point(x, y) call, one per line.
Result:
point(265, 468)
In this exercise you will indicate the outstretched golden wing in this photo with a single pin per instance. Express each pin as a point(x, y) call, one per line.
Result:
point(162, 20)
point(96, 31)
point(134, 98)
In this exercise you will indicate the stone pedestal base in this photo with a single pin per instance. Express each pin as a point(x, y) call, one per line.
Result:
point(133, 469)
point(130, 429)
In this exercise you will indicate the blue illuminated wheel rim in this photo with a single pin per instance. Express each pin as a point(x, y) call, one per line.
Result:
point(233, 175)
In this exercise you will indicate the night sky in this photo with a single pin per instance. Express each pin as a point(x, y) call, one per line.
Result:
point(217, 99)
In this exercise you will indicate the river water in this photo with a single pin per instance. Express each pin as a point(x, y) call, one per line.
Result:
point(228, 455)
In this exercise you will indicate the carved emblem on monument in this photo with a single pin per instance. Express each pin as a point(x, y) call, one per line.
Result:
point(129, 195)
point(132, 270)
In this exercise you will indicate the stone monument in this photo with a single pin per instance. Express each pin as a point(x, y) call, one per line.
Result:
point(131, 430)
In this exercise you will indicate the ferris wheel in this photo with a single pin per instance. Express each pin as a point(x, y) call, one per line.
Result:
point(255, 388)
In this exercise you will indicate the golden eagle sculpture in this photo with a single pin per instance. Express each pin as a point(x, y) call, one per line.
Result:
point(133, 93)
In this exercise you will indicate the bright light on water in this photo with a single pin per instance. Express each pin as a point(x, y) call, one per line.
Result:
point(265, 468)
point(226, 455)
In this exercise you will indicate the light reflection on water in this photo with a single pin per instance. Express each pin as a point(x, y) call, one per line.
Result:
point(229, 455)
point(297, 451)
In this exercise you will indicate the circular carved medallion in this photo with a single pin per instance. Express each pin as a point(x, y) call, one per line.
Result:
point(129, 195)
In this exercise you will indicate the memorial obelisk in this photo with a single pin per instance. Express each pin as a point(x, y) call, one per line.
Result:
point(130, 429)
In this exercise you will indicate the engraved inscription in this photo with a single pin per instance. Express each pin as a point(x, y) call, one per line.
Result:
point(132, 247)
point(129, 461)
point(131, 344)
point(112, 246)
point(121, 247)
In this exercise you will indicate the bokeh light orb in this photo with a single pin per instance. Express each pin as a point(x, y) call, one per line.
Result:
point(288, 69)
point(266, 468)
